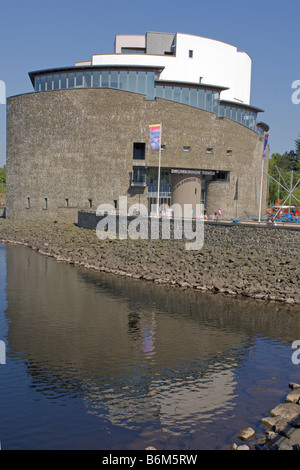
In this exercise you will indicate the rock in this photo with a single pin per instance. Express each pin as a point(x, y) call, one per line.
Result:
point(294, 386)
point(150, 448)
point(246, 434)
point(296, 422)
point(289, 411)
point(233, 446)
point(244, 447)
point(270, 421)
point(294, 396)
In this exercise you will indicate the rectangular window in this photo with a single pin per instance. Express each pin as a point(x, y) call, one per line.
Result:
point(150, 85)
point(191, 53)
point(168, 92)
point(208, 105)
point(87, 76)
point(71, 80)
point(79, 79)
point(201, 99)
point(221, 176)
point(104, 78)
point(37, 83)
point(142, 82)
point(56, 81)
point(193, 97)
point(90, 203)
point(132, 81)
point(185, 95)
point(139, 151)
point(43, 83)
point(96, 79)
point(67, 202)
point(114, 79)
point(159, 91)
point(28, 202)
point(49, 82)
point(221, 110)
point(63, 81)
point(123, 80)
point(45, 203)
point(177, 93)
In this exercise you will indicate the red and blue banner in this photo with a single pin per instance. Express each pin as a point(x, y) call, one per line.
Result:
point(266, 144)
point(155, 136)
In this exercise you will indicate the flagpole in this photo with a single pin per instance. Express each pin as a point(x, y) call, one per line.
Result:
point(159, 163)
point(262, 174)
point(261, 187)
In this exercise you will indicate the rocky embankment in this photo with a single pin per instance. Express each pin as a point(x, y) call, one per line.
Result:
point(282, 426)
point(262, 263)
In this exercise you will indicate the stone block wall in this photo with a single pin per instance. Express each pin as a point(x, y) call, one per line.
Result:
point(74, 149)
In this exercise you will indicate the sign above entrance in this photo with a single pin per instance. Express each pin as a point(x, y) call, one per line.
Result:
point(193, 172)
point(186, 172)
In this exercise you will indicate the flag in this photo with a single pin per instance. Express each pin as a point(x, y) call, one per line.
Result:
point(266, 144)
point(155, 136)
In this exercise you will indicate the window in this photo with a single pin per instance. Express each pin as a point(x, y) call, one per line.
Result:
point(28, 202)
point(87, 79)
point(114, 79)
point(186, 148)
point(221, 176)
point(67, 202)
point(45, 203)
point(79, 79)
point(229, 152)
point(90, 203)
point(185, 95)
point(56, 78)
point(116, 204)
point(71, 78)
point(49, 82)
point(133, 50)
point(139, 150)
point(105, 77)
point(141, 82)
point(63, 80)
point(96, 79)
point(123, 80)
point(191, 53)
point(132, 81)
point(209, 150)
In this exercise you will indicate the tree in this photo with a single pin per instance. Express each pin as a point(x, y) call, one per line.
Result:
point(3, 179)
point(297, 142)
point(280, 167)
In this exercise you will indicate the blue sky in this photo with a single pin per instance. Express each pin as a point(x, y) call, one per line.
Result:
point(38, 34)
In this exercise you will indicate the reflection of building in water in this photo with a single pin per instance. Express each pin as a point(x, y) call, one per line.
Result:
point(71, 327)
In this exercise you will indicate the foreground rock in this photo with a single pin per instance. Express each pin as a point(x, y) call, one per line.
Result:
point(282, 427)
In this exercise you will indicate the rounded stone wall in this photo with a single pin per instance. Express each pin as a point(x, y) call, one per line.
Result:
point(73, 149)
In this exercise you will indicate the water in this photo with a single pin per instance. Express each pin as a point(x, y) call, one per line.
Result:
point(102, 362)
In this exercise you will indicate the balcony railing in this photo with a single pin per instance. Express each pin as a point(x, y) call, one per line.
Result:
point(164, 192)
point(138, 180)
